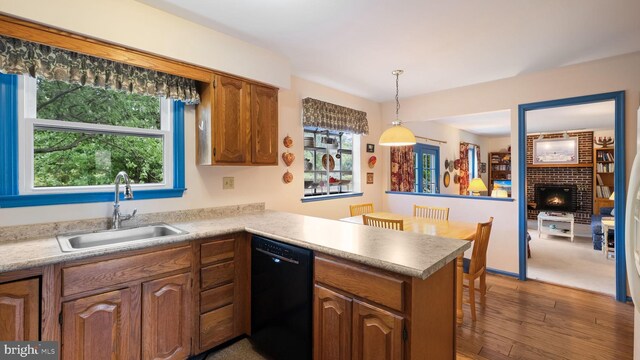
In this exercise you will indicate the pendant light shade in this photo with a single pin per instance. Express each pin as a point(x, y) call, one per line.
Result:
point(397, 135)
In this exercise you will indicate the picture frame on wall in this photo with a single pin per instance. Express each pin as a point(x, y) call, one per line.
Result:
point(483, 167)
point(555, 151)
point(369, 178)
point(371, 148)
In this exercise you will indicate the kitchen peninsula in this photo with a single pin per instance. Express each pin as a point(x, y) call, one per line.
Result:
point(374, 289)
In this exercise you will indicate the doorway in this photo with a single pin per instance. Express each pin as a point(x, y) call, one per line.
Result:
point(564, 225)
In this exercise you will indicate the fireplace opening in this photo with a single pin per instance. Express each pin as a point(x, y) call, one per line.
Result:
point(550, 197)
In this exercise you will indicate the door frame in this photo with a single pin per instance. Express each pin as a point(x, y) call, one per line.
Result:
point(619, 176)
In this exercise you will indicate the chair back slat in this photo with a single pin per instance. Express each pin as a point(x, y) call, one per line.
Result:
point(480, 246)
point(383, 223)
point(360, 209)
point(430, 212)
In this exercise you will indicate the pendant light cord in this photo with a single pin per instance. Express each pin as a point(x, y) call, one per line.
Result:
point(397, 99)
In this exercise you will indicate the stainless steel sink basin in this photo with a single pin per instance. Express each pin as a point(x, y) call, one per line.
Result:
point(108, 238)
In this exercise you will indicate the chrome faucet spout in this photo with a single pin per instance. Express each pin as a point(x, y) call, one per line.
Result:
point(117, 217)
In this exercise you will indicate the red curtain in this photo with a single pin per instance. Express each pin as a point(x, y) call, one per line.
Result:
point(464, 168)
point(403, 175)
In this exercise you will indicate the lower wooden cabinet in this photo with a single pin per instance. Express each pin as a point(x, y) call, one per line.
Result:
point(377, 334)
point(332, 325)
point(166, 318)
point(97, 327)
point(345, 328)
point(19, 310)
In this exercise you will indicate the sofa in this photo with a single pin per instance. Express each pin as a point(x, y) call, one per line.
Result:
point(596, 228)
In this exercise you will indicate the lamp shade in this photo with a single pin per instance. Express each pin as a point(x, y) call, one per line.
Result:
point(476, 185)
point(612, 197)
point(397, 135)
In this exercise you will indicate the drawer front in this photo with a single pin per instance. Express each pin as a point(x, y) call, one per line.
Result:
point(366, 284)
point(216, 298)
point(216, 275)
point(217, 251)
point(216, 327)
point(77, 279)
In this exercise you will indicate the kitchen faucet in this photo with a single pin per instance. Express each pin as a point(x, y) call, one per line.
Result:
point(117, 217)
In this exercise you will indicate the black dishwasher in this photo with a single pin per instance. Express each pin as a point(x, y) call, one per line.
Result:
point(281, 299)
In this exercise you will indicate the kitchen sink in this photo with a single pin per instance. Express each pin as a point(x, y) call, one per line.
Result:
point(108, 238)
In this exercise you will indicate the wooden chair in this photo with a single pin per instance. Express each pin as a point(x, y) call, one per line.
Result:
point(429, 212)
point(360, 209)
point(476, 267)
point(383, 223)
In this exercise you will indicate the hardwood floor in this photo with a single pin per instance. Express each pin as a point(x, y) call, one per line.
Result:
point(534, 320)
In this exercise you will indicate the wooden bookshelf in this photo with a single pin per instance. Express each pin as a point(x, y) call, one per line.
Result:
point(603, 184)
point(499, 168)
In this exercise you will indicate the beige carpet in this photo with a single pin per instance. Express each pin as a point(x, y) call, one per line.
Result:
point(240, 350)
point(558, 260)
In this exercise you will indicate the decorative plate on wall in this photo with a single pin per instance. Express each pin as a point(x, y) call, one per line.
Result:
point(446, 179)
point(456, 164)
point(288, 158)
point(446, 164)
point(456, 179)
point(451, 166)
point(332, 163)
point(287, 177)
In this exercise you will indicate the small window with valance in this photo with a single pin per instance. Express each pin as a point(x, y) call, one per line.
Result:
point(331, 148)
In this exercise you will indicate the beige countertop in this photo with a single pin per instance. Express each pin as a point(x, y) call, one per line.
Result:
point(404, 253)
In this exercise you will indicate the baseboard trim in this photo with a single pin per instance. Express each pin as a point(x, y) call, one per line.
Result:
point(502, 272)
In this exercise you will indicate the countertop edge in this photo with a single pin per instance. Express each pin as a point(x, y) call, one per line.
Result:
point(183, 238)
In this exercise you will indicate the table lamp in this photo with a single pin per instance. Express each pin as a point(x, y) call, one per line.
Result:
point(476, 185)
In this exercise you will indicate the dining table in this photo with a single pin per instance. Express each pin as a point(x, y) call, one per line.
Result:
point(441, 228)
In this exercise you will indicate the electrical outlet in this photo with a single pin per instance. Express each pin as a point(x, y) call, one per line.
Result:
point(227, 183)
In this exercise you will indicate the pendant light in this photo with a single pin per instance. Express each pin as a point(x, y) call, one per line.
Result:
point(397, 135)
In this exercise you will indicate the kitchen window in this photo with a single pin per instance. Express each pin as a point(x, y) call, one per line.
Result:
point(427, 168)
point(77, 138)
point(328, 162)
point(71, 141)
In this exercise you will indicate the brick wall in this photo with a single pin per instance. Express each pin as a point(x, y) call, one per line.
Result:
point(580, 176)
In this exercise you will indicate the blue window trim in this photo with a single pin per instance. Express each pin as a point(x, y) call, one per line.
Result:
point(619, 179)
point(420, 149)
point(466, 197)
point(9, 196)
point(330, 197)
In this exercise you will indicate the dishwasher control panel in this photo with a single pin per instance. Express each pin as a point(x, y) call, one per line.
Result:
point(276, 249)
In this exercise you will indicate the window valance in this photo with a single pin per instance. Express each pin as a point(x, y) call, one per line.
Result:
point(24, 57)
point(320, 114)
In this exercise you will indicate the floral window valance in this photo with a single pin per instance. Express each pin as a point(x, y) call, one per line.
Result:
point(320, 114)
point(24, 57)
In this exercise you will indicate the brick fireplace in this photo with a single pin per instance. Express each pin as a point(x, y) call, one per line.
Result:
point(581, 176)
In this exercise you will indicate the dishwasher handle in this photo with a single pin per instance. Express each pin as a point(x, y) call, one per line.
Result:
point(278, 256)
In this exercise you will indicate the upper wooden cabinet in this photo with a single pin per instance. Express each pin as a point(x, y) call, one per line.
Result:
point(19, 310)
point(264, 125)
point(237, 123)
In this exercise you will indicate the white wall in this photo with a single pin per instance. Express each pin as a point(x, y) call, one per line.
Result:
point(611, 74)
point(135, 25)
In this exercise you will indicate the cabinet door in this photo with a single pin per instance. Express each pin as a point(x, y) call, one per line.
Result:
point(332, 325)
point(377, 334)
point(166, 318)
point(264, 125)
point(97, 327)
point(231, 120)
point(19, 311)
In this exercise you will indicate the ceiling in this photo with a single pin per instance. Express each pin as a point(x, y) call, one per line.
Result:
point(594, 116)
point(354, 45)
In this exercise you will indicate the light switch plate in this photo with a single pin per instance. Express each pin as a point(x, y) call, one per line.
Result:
point(227, 183)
